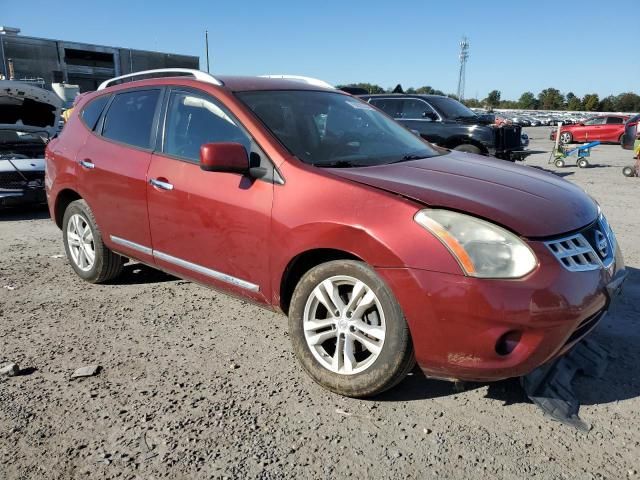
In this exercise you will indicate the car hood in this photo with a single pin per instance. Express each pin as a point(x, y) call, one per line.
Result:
point(24, 105)
point(526, 200)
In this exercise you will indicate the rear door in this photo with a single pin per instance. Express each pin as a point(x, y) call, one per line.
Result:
point(113, 167)
point(591, 130)
point(612, 129)
point(210, 226)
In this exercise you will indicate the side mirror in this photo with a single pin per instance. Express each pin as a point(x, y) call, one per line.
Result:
point(224, 157)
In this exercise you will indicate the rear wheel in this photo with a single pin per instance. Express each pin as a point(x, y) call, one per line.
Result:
point(468, 148)
point(629, 172)
point(87, 253)
point(565, 137)
point(583, 163)
point(348, 330)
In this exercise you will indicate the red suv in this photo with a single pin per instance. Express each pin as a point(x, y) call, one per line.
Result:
point(380, 247)
point(606, 128)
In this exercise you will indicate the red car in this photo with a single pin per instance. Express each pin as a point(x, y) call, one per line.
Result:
point(606, 128)
point(380, 247)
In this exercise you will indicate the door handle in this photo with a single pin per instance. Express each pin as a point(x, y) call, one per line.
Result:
point(161, 184)
point(88, 164)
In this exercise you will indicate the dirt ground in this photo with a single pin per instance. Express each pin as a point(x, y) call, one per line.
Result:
point(196, 384)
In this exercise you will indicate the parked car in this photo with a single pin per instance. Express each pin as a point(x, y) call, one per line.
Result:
point(28, 118)
point(630, 132)
point(450, 124)
point(380, 247)
point(605, 128)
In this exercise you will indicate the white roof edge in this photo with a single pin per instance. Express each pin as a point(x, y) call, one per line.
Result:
point(299, 78)
point(197, 74)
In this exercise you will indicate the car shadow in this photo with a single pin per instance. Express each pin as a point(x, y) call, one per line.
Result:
point(618, 333)
point(27, 212)
point(139, 274)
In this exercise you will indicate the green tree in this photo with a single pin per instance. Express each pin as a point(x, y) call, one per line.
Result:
point(493, 99)
point(528, 101)
point(607, 104)
point(551, 99)
point(628, 102)
point(590, 102)
point(574, 103)
point(472, 103)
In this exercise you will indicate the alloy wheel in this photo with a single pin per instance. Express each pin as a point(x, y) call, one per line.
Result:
point(565, 137)
point(80, 240)
point(344, 325)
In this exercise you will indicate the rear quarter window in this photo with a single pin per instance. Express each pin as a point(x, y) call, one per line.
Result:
point(130, 117)
point(92, 111)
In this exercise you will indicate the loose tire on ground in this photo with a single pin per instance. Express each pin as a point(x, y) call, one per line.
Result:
point(629, 172)
point(105, 264)
point(309, 318)
point(468, 148)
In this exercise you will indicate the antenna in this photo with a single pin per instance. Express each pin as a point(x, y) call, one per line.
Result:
point(464, 55)
point(206, 43)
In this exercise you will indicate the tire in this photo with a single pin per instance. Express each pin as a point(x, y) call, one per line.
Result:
point(80, 242)
point(559, 163)
point(629, 172)
point(363, 373)
point(583, 163)
point(468, 148)
point(565, 138)
point(621, 139)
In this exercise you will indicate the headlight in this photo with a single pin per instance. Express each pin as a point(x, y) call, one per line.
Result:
point(481, 248)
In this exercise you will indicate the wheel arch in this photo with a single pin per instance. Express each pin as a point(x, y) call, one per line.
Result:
point(301, 264)
point(63, 199)
point(454, 142)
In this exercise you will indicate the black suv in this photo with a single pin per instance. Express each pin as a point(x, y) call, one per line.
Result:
point(448, 123)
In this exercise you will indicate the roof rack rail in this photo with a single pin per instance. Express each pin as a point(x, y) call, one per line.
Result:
point(299, 78)
point(197, 74)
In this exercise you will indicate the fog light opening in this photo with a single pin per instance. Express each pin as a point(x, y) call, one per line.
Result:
point(508, 342)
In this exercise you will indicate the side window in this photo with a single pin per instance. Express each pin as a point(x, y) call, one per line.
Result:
point(615, 120)
point(391, 107)
point(595, 121)
point(414, 109)
point(193, 120)
point(92, 111)
point(130, 117)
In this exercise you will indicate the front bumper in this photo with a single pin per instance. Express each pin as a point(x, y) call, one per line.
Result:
point(457, 321)
point(10, 198)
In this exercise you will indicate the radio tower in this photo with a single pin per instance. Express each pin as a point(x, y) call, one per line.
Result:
point(464, 55)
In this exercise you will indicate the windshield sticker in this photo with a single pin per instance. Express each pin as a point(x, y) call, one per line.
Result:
point(359, 105)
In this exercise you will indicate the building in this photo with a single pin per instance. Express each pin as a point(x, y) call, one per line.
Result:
point(55, 61)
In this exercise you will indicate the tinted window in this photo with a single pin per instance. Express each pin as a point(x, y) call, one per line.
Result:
point(93, 110)
point(130, 117)
point(193, 120)
point(389, 106)
point(332, 129)
point(414, 109)
point(595, 121)
point(450, 107)
point(615, 120)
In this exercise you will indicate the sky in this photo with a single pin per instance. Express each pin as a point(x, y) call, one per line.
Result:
point(583, 46)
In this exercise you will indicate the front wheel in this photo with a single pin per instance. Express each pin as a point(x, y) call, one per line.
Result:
point(87, 253)
point(348, 330)
point(559, 163)
point(565, 138)
point(583, 163)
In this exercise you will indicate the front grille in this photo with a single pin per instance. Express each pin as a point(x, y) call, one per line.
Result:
point(591, 249)
point(21, 180)
point(585, 327)
point(508, 137)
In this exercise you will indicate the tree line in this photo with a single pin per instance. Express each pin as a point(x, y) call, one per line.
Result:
point(547, 99)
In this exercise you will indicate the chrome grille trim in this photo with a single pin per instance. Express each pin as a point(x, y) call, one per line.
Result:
point(576, 253)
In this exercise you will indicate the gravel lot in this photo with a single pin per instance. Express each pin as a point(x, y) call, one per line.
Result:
point(200, 385)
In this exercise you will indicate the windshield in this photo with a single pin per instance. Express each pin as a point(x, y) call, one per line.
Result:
point(451, 108)
point(334, 130)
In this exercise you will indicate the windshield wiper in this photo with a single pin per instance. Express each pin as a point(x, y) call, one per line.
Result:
point(338, 164)
point(408, 158)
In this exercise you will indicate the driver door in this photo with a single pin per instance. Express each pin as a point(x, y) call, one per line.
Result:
point(212, 227)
